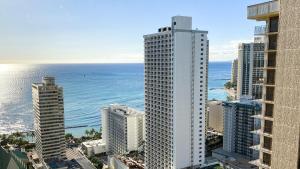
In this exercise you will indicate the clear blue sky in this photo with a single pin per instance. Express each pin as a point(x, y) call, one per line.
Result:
point(68, 31)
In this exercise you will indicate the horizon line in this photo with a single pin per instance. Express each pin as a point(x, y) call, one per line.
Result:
point(44, 63)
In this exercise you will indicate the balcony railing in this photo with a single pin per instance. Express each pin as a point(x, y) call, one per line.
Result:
point(259, 11)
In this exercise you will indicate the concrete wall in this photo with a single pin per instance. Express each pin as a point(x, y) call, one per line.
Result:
point(286, 134)
point(189, 97)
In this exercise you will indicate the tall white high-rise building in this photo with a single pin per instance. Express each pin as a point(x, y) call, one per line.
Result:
point(122, 129)
point(176, 62)
point(48, 106)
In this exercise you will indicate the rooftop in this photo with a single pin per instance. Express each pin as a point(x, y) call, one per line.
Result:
point(130, 162)
point(232, 159)
point(124, 110)
point(262, 11)
point(94, 143)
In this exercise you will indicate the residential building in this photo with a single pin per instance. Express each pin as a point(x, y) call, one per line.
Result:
point(215, 116)
point(260, 34)
point(48, 106)
point(238, 126)
point(234, 71)
point(279, 135)
point(214, 140)
point(176, 62)
point(122, 129)
point(250, 70)
point(93, 147)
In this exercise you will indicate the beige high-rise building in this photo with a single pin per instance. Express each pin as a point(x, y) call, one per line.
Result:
point(215, 115)
point(234, 71)
point(48, 106)
point(280, 133)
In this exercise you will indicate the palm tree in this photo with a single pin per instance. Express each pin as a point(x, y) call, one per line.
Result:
point(18, 134)
point(93, 131)
point(87, 132)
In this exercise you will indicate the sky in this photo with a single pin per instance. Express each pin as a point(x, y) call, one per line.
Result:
point(111, 31)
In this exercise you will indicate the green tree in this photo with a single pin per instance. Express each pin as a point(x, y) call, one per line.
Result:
point(3, 142)
point(97, 135)
point(92, 131)
point(87, 132)
point(69, 136)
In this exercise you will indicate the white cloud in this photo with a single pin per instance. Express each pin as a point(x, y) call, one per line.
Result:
point(227, 51)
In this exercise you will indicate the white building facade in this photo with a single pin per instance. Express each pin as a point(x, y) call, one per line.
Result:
point(250, 70)
point(122, 129)
point(93, 147)
point(48, 106)
point(176, 62)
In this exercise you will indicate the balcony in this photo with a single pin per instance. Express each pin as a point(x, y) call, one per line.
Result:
point(266, 159)
point(256, 147)
point(259, 164)
point(267, 144)
point(269, 110)
point(273, 25)
point(272, 45)
point(263, 11)
point(268, 127)
point(269, 96)
point(258, 132)
point(271, 61)
point(270, 79)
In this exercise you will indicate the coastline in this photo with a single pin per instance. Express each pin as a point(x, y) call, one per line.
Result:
point(231, 93)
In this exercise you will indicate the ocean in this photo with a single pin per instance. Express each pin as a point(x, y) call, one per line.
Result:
point(87, 88)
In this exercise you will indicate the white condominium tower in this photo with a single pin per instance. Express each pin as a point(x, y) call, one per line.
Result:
point(48, 106)
point(122, 129)
point(176, 61)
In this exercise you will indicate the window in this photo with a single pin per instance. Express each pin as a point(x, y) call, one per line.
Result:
point(268, 127)
point(174, 23)
point(267, 159)
point(267, 143)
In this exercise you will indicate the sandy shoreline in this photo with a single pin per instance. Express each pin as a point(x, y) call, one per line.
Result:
point(231, 92)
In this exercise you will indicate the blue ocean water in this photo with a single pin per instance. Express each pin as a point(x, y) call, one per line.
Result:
point(87, 88)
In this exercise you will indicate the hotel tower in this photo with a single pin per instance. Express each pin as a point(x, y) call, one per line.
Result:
point(280, 132)
point(48, 106)
point(176, 61)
